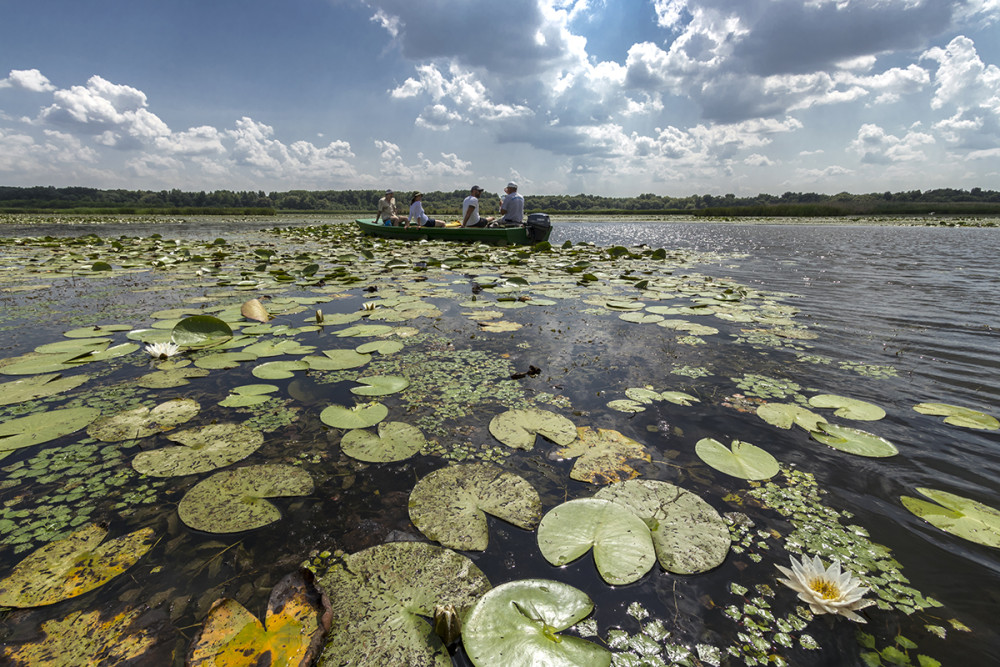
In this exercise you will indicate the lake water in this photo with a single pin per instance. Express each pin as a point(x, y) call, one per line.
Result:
point(898, 315)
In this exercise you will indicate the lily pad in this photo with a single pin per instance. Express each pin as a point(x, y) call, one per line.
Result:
point(602, 455)
point(380, 385)
point(72, 566)
point(233, 500)
point(520, 620)
point(741, 459)
point(854, 441)
point(518, 428)
point(175, 377)
point(959, 516)
point(255, 310)
point(39, 386)
point(959, 416)
point(380, 608)
point(622, 544)
point(395, 441)
point(143, 422)
point(201, 449)
point(248, 395)
point(380, 346)
point(848, 408)
point(298, 616)
point(223, 360)
point(44, 426)
point(785, 415)
point(689, 534)
point(89, 638)
point(360, 416)
point(279, 370)
point(35, 363)
point(200, 331)
point(450, 504)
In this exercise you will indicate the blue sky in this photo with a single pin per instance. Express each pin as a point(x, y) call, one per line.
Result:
point(608, 97)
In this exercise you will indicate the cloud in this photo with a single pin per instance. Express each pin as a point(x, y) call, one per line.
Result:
point(117, 113)
point(29, 79)
point(874, 145)
point(970, 87)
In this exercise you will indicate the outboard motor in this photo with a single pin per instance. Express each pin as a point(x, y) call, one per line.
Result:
point(538, 227)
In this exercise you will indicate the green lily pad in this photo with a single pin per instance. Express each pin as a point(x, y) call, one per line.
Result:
point(450, 504)
point(520, 620)
point(142, 422)
point(395, 441)
point(360, 330)
point(337, 360)
point(39, 386)
point(380, 606)
point(277, 348)
point(622, 544)
point(35, 363)
point(380, 385)
point(848, 408)
point(201, 449)
point(784, 415)
point(643, 395)
point(602, 455)
point(360, 416)
point(248, 395)
point(175, 377)
point(279, 370)
point(959, 416)
point(77, 345)
point(112, 352)
point(99, 330)
point(626, 405)
point(689, 534)
point(380, 346)
point(742, 459)
point(854, 441)
point(518, 428)
point(72, 566)
point(224, 360)
point(200, 331)
point(231, 501)
point(641, 318)
point(959, 516)
point(679, 398)
point(44, 426)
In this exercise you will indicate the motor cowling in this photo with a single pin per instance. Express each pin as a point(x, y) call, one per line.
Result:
point(538, 226)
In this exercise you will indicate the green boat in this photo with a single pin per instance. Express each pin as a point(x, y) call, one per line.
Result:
point(536, 230)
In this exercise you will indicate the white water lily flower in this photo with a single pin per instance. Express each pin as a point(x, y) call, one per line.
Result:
point(827, 590)
point(162, 350)
point(370, 305)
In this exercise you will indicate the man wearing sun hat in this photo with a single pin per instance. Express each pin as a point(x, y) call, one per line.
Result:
point(512, 206)
point(387, 210)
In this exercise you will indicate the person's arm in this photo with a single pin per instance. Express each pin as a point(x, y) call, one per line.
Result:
point(468, 212)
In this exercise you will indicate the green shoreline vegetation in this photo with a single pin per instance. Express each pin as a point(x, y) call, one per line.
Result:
point(81, 200)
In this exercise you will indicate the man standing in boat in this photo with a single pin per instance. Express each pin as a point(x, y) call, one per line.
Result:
point(470, 209)
point(512, 206)
point(387, 211)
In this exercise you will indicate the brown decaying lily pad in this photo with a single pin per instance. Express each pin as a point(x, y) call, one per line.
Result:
point(298, 618)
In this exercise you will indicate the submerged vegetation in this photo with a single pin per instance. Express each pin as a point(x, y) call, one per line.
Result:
point(407, 453)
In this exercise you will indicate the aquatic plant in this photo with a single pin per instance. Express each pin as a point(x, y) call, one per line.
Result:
point(827, 590)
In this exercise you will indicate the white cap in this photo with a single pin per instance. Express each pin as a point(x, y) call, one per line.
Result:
point(512, 185)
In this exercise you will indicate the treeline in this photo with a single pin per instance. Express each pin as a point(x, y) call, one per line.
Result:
point(80, 199)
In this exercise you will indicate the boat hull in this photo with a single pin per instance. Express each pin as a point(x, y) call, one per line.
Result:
point(492, 235)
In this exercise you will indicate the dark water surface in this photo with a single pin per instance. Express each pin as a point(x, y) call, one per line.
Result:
point(922, 300)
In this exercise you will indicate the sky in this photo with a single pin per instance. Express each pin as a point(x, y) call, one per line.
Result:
point(604, 97)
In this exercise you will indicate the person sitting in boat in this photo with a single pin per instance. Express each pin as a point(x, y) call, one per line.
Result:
point(470, 209)
point(387, 211)
point(417, 215)
point(511, 206)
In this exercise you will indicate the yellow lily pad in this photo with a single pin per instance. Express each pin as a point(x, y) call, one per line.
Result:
point(72, 566)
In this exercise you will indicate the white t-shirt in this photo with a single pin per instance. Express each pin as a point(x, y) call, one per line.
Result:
point(417, 212)
point(514, 205)
point(474, 216)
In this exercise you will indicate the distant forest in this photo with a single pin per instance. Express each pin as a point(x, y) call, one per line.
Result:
point(49, 199)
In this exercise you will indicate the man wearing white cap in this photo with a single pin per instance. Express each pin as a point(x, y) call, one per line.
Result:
point(512, 206)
